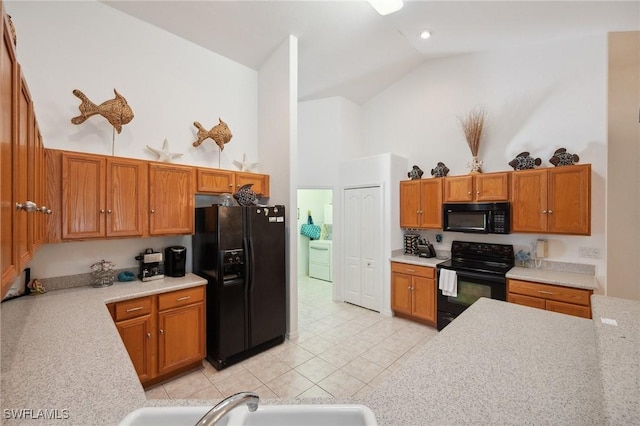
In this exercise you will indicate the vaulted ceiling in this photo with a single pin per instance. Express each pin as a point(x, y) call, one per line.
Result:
point(347, 49)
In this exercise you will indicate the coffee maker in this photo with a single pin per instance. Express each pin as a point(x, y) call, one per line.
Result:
point(175, 259)
point(151, 265)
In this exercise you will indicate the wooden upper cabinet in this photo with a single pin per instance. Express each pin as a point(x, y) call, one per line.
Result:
point(529, 201)
point(127, 197)
point(37, 189)
point(569, 200)
point(171, 199)
point(9, 83)
point(215, 181)
point(492, 186)
point(421, 203)
point(431, 203)
point(458, 189)
point(410, 204)
point(83, 196)
point(260, 182)
point(23, 177)
point(218, 181)
point(485, 187)
point(555, 200)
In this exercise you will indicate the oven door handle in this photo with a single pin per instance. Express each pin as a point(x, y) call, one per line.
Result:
point(467, 274)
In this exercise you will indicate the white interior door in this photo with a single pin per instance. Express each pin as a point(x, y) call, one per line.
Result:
point(352, 246)
point(363, 221)
point(370, 237)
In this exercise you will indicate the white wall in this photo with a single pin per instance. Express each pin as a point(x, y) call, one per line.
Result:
point(168, 82)
point(330, 132)
point(278, 129)
point(538, 99)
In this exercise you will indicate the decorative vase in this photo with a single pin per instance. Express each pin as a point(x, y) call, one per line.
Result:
point(475, 165)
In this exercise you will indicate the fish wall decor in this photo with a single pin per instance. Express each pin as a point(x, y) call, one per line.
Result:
point(562, 158)
point(220, 134)
point(117, 111)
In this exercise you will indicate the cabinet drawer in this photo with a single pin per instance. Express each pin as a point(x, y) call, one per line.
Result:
point(132, 308)
point(533, 302)
point(569, 309)
point(551, 292)
point(180, 298)
point(421, 271)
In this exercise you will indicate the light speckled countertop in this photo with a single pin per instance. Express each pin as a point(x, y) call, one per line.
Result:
point(62, 351)
point(497, 363)
point(619, 356)
point(416, 260)
point(548, 276)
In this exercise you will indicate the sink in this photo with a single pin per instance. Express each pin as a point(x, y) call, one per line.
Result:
point(266, 415)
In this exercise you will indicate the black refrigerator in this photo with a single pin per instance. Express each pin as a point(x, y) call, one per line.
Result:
point(241, 253)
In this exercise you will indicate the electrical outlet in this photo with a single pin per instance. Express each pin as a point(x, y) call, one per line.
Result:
point(589, 252)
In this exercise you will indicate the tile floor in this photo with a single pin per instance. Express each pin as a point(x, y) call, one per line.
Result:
point(342, 350)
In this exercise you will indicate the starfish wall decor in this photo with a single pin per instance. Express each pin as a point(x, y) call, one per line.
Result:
point(164, 155)
point(244, 165)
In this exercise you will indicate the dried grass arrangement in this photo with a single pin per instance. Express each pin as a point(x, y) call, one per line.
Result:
point(472, 126)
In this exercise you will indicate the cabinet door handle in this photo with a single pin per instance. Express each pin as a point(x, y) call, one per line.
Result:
point(109, 211)
point(180, 299)
point(550, 211)
point(101, 211)
point(409, 288)
point(153, 210)
point(544, 212)
point(161, 331)
point(28, 206)
point(134, 309)
point(545, 292)
point(469, 193)
point(149, 335)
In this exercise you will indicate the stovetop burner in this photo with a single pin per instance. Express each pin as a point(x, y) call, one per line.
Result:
point(480, 257)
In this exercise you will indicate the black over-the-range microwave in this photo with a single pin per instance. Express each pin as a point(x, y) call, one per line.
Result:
point(484, 218)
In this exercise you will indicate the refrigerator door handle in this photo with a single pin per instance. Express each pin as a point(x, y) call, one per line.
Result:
point(248, 262)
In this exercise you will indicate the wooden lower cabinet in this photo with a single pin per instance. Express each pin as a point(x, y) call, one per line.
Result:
point(136, 334)
point(413, 291)
point(164, 334)
point(181, 339)
point(565, 300)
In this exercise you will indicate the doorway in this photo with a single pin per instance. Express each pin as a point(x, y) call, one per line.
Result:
point(315, 252)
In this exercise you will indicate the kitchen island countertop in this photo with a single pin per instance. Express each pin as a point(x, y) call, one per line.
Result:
point(497, 363)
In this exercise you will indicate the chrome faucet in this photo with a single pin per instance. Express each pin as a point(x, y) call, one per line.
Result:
point(228, 404)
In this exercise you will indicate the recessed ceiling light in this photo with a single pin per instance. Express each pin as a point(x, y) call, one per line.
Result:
point(425, 34)
point(385, 7)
